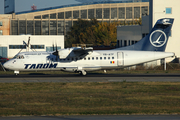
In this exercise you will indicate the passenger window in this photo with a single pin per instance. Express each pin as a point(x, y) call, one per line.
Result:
point(88, 58)
point(112, 57)
point(108, 58)
point(104, 58)
point(96, 58)
point(100, 58)
point(92, 58)
point(84, 58)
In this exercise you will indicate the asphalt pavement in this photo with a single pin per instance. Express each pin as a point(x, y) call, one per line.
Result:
point(94, 77)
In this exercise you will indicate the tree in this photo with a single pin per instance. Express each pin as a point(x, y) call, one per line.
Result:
point(92, 32)
point(77, 31)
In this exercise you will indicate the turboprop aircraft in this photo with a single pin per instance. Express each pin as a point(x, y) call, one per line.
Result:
point(83, 60)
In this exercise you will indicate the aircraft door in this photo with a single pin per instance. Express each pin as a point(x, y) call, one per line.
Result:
point(120, 59)
point(48, 59)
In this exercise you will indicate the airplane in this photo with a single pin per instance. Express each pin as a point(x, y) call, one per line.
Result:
point(84, 59)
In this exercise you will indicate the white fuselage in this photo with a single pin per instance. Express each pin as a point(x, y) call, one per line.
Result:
point(96, 60)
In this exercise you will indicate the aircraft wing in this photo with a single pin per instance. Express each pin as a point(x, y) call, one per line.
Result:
point(82, 51)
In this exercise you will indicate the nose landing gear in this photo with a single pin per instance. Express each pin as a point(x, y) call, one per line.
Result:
point(16, 72)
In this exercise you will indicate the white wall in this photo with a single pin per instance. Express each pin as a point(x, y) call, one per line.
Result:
point(159, 11)
point(47, 41)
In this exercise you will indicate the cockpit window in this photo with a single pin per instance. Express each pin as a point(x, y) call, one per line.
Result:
point(18, 57)
point(15, 57)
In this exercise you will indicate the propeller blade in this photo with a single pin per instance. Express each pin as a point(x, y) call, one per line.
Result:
point(56, 47)
point(53, 47)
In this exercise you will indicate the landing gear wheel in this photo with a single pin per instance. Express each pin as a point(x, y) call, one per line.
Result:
point(16, 73)
point(83, 72)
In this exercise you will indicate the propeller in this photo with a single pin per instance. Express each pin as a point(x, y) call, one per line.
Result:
point(56, 53)
point(53, 47)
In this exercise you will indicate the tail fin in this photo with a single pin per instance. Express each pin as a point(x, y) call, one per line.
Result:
point(156, 40)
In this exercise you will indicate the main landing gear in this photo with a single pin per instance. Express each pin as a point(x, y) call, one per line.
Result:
point(83, 72)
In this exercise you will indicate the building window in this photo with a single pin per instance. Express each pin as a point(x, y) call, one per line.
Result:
point(68, 14)
point(22, 27)
point(125, 43)
point(121, 43)
point(45, 16)
point(14, 27)
point(168, 10)
point(37, 17)
point(144, 11)
point(106, 13)
point(84, 14)
point(136, 12)
point(53, 27)
point(45, 27)
point(122, 13)
point(129, 13)
point(37, 46)
point(53, 16)
point(30, 27)
point(113, 13)
point(90, 13)
point(132, 42)
point(1, 32)
point(61, 15)
point(17, 47)
point(99, 13)
point(76, 14)
point(1, 23)
point(37, 28)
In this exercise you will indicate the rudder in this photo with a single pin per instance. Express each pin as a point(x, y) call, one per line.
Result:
point(156, 40)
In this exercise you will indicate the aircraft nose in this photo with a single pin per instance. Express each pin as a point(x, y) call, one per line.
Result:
point(6, 65)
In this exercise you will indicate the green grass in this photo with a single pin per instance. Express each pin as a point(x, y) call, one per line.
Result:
point(89, 98)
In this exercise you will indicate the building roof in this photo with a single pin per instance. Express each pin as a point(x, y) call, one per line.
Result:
point(82, 4)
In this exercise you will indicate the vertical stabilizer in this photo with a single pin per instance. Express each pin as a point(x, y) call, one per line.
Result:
point(156, 40)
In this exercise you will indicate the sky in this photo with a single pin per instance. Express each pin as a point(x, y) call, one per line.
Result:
point(26, 4)
point(1, 6)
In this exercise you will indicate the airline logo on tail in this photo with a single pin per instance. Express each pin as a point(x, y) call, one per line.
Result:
point(158, 38)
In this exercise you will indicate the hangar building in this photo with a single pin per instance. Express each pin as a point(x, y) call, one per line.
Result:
point(58, 20)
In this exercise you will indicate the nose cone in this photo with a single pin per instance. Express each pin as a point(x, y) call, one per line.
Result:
point(6, 65)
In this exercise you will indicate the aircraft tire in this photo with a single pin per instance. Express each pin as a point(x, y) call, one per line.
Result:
point(83, 73)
